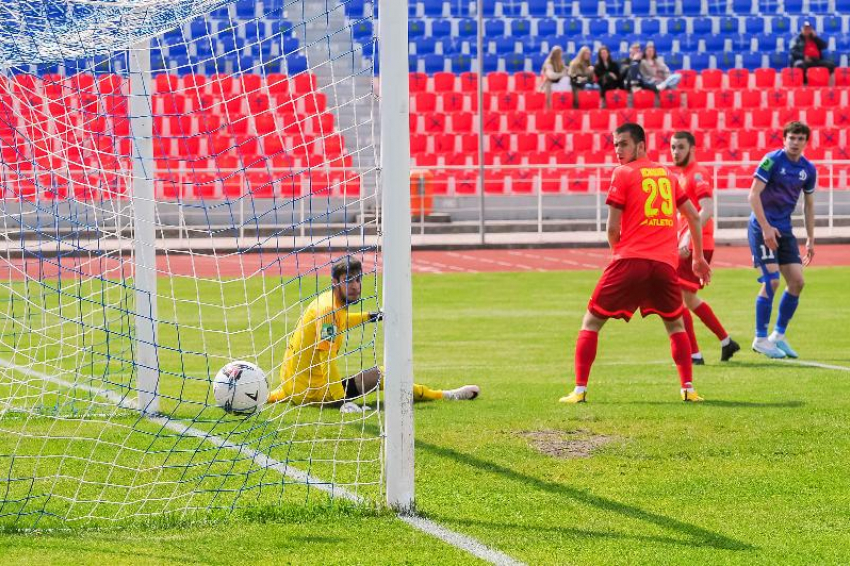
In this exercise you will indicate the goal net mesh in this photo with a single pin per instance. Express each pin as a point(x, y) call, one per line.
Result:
point(243, 163)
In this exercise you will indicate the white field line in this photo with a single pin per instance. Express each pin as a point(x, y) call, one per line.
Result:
point(543, 257)
point(816, 365)
point(458, 540)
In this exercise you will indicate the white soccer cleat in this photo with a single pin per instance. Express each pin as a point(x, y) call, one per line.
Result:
point(768, 348)
point(465, 393)
point(785, 347)
point(349, 408)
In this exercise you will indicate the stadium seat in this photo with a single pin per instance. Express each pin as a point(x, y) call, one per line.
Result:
point(804, 97)
point(754, 25)
point(711, 78)
point(765, 78)
point(792, 77)
point(738, 79)
point(525, 81)
point(643, 99)
point(670, 98)
point(761, 118)
point(616, 98)
point(650, 26)
point(588, 99)
point(699, 61)
point(545, 121)
point(830, 97)
point(696, 99)
point(750, 99)
point(729, 25)
point(817, 76)
point(538, 8)
point(816, 117)
point(562, 101)
point(680, 118)
point(707, 119)
point(600, 120)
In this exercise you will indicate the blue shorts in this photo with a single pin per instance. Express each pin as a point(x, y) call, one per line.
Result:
point(787, 252)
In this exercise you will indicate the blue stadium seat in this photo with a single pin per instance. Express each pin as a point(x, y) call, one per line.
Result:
point(742, 7)
point(674, 60)
point(665, 8)
point(777, 60)
point(353, 8)
point(615, 8)
point(692, 8)
point(624, 26)
point(489, 7)
point(547, 26)
point(491, 64)
point(793, 6)
point(295, 64)
point(255, 30)
point(699, 61)
point(690, 42)
point(612, 42)
point(415, 28)
point(562, 8)
point(714, 42)
point(413, 63)
point(441, 28)
point(538, 8)
point(203, 50)
point(766, 42)
point(768, 7)
point(650, 26)
point(663, 43)
point(520, 27)
point(599, 26)
point(284, 27)
point(573, 27)
point(467, 27)
point(819, 6)
point(460, 8)
point(494, 28)
point(740, 41)
point(832, 24)
point(461, 63)
point(717, 7)
point(434, 63)
point(780, 24)
point(515, 63)
point(433, 8)
point(362, 29)
point(537, 60)
point(641, 8)
point(425, 45)
point(449, 46)
point(702, 25)
point(588, 8)
point(200, 28)
point(505, 45)
point(754, 25)
point(729, 24)
point(289, 45)
point(842, 42)
point(752, 59)
point(676, 26)
point(246, 9)
point(512, 8)
point(726, 60)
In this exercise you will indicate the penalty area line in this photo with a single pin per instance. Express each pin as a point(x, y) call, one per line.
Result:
point(815, 365)
point(458, 540)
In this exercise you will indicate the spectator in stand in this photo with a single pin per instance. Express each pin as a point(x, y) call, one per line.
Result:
point(554, 70)
point(581, 71)
point(655, 72)
point(807, 50)
point(632, 78)
point(607, 71)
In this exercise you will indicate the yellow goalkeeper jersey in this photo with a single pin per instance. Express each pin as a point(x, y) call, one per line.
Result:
point(309, 373)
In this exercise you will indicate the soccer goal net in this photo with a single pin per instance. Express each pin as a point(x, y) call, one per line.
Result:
point(177, 178)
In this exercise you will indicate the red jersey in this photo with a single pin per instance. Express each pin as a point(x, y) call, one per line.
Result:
point(648, 194)
point(694, 181)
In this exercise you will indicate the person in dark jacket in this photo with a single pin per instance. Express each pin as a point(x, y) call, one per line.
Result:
point(607, 71)
point(807, 50)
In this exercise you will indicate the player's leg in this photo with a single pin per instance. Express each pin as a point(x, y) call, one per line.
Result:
point(703, 310)
point(586, 345)
point(690, 300)
point(681, 353)
point(794, 282)
point(764, 259)
point(368, 381)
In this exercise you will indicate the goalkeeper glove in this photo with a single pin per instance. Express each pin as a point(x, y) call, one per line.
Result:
point(376, 316)
point(348, 408)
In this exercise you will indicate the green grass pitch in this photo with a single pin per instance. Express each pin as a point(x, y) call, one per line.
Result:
point(756, 475)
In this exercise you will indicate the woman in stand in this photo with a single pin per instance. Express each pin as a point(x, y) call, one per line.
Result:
point(607, 71)
point(554, 70)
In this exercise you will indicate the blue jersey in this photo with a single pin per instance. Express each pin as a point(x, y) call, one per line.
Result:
point(784, 180)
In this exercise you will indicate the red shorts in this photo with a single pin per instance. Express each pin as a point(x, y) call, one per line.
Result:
point(687, 279)
point(629, 284)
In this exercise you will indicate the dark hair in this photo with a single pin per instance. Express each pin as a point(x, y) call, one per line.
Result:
point(634, 130)
point(689, 137)
point(346, 268)
point(797, 128)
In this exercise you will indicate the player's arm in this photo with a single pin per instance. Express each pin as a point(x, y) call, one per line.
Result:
point(809, 223)
point(700, 266)
point(705, 213)
point(771, 234)
point(615, 221)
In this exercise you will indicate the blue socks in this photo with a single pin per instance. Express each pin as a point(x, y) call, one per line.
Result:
point(764, 306)
point(787, 307)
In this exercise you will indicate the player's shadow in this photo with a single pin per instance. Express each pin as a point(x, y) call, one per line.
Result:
point(753, 404)
point(699, 535)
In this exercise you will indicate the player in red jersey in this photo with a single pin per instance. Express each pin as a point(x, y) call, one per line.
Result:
point(694, 181)
point(642, 231)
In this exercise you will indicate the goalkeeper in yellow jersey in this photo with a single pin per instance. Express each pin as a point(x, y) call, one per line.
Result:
point(310, 373)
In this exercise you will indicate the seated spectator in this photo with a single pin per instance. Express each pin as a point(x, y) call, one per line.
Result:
point(552, 73)
point(607, 71)
point(807, 50)
point(632, 77)
point(581, 71)
point(655, 72)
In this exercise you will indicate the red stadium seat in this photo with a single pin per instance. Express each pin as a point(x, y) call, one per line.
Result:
point(572, 120)
point(498, 142)
point(792, 76)
point(689, 79)
point(418, 82)
point(444, 143)
point(761, 118)
point(303, 83)
point(528, 143)
point(507, 101)
point(786, 115)
point(748, 139)
point(534, 101)
point(777, 98)
point(626, 115)
point(493, 122)
point(517, 122)
point(816, 117)
point(469, 82)
point(840, 119)
point(525, 81)
point(510, 158)
point(544, 121)
point(652, 119)
point(462, 122)
point(696, 99)
point(734, 119)
point(418, 143)
point(435, 123)
point(582, 142)
point(250, 83)
point(751, 98)
point(842, 76)
point(719, 139)
point(278, 84)
point(496, 81)
point(773, 138)
point(738, 79)
point(166, 83)
point(643, 99)
point(220, 85)
point(616, 98)
point(804, 97)
point(817, 76)
point(600, 120)
point(765, 78)
point(711, 78)
point(828, 138)
point(830, 97)
point(452, 101)
point(444, 82)
point(670, 98)
point(681, 119)
point(469, 143)
point(562, 101)
point(523, 181)
point(425, 102)
point(554, 141)
point(589, 99)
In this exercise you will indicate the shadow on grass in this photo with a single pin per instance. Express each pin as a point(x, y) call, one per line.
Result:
point(700, 536)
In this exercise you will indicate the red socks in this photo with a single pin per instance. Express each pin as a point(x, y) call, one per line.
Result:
point(689, 328)
point(585, 354)
point(681, 349)
point(706, 315)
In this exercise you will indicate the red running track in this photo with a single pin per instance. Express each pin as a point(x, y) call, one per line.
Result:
point(311, 264)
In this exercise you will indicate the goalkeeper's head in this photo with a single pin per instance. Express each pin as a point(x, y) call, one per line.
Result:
point(347, 274)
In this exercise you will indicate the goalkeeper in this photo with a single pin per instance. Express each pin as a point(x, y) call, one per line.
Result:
point(310, 373)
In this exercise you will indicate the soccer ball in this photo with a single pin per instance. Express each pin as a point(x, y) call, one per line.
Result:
point(240, 387)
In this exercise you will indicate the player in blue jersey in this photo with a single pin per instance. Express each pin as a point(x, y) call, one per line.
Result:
point(780, 178)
